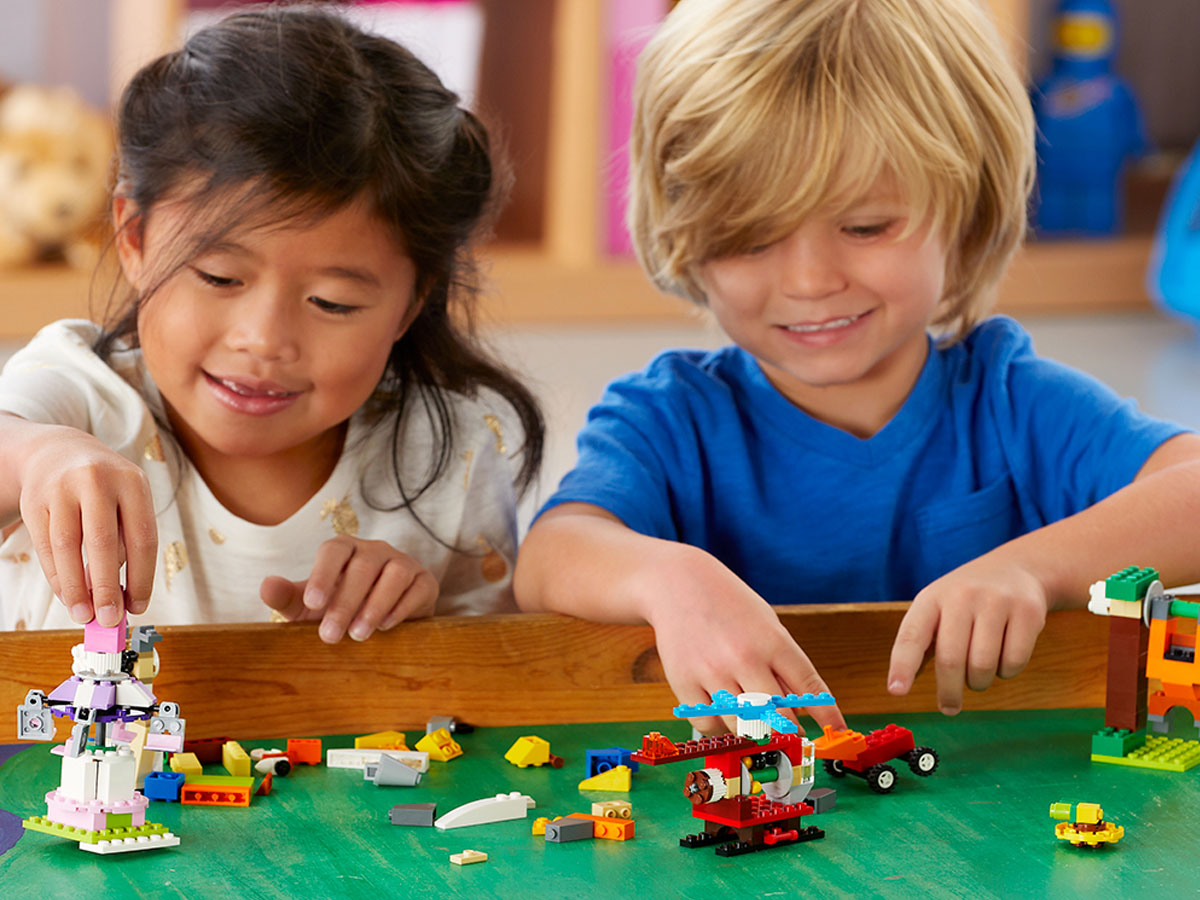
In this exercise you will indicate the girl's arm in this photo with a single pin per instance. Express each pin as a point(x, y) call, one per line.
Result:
point(986, 614)
point(73, 493)
point(713, 632)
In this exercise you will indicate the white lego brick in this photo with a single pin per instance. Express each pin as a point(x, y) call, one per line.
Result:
point(117, 777)
point(500, 808)
point(354, 758)
point(79, 776)
point(83, 693)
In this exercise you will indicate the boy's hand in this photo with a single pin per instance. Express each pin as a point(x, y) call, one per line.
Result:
point(355, 585)
point(715, 633)
point(986, 616)
point(77, 494)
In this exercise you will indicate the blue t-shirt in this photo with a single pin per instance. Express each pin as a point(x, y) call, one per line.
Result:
point(993, 442)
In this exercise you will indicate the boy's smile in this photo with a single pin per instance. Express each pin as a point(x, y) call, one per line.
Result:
point(263, 347)
point(835, 312)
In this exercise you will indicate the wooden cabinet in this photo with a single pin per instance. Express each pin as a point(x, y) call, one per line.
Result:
point(542, 80)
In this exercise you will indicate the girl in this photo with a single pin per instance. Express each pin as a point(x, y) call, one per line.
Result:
point(291, 389)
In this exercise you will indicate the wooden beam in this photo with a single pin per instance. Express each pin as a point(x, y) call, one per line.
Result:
point(259, 681)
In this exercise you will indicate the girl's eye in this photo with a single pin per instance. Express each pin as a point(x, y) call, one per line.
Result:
point(214, 280)
point(340, 309)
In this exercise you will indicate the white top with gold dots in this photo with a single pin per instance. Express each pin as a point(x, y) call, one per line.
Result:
point(212, 562)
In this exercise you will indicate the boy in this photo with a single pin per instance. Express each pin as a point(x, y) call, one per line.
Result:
point(834, 180)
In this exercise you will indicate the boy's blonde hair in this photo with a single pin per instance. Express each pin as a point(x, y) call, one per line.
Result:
point(751, 115)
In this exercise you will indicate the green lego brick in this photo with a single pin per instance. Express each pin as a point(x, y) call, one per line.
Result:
point(114, 820)
point(1165, 754)
point(221, 780)
point(1117, 741)
point(83, 835)
point(1130, 583)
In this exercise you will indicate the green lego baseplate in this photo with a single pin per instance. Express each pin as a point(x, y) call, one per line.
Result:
point(1164, 754)
point(84, 836)
point(1130, 583)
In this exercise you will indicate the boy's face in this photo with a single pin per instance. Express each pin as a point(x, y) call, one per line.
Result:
point(835, 312)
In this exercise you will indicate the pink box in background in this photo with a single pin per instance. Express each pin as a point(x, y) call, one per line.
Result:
point(631, 23)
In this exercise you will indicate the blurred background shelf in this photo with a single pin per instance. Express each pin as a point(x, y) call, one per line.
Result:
point(545, 81)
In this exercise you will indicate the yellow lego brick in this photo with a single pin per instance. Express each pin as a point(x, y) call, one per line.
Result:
point(186, 763)
point(529, 750)
point(467, 857)
point(381, 740)
point(439, 745)
point(613, 809)
point(235, 759)
point(618, 778)
point(1125, 609)
point(539, 825)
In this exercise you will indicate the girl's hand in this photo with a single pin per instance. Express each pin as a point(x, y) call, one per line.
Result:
point(715, 633)
point(78, 494)
point(366, 585)
point(985, 615)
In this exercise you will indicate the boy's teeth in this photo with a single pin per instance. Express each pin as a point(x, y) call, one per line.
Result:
point(825, 326)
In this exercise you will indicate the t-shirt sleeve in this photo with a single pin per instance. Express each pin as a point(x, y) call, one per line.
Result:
point(1071, 440)
point(57, 379)
point(635, 439)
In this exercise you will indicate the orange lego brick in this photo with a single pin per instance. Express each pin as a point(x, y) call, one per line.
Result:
point(609, 829)
point(304, 750)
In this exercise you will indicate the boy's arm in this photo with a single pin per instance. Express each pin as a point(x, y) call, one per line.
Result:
point(713, 632)
point(986, 614)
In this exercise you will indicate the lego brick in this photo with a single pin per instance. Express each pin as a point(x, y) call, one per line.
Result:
point(273, 765)
point(217, 790)
point(420, 814)
point(562, 831)
point(468, 857)
point(390, 771)
point(349, 758)
point(618, 779)
point(440, 746)
point(381, 740)
point(608, 828)
point(206, 750)
point(532, 750)
point(1130, 583)
point(304, 750)
point(1117, 741)
point(821, 799)
point(235, 759)
point(186, 763)
point(499, 808)
point(163, 786)
point(601, 760)
point(613, 809)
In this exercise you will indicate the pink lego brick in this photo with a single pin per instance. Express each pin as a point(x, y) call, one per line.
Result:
point(99, 639)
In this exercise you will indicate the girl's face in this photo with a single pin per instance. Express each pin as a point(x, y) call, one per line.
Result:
point(837, 308)
point(265, 345)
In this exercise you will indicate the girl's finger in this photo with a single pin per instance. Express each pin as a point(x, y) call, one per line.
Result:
point(66, 543)
point(418, 597)
point(358, 576)
point(332, 557)
point(139, 538)
point(101, 538)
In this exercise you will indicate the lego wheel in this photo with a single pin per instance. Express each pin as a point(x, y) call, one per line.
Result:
point(922, 760)
point(881, 778)
point(835, 768)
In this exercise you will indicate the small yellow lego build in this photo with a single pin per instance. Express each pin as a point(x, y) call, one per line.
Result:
point(1088, 829)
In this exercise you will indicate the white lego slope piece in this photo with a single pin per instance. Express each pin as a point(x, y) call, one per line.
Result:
point(500, 808)
point(355, 758)
point(134, 693)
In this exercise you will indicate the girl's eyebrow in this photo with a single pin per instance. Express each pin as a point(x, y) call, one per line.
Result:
point(348, 273)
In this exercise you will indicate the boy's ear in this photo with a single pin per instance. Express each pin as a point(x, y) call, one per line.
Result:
point(128, 238)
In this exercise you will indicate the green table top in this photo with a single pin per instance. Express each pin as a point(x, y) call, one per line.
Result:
point(979, 826)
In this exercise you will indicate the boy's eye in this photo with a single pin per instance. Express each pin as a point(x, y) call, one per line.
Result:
point(340, 309)
point(873, 230)
point(214, 280)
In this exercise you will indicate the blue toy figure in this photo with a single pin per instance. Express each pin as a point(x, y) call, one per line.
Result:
point(1088, 126)
point(1174, 275)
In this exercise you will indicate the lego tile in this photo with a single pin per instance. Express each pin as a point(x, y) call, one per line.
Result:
point(468, 857)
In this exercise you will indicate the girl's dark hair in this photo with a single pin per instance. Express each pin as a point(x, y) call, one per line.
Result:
point(294, 109)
